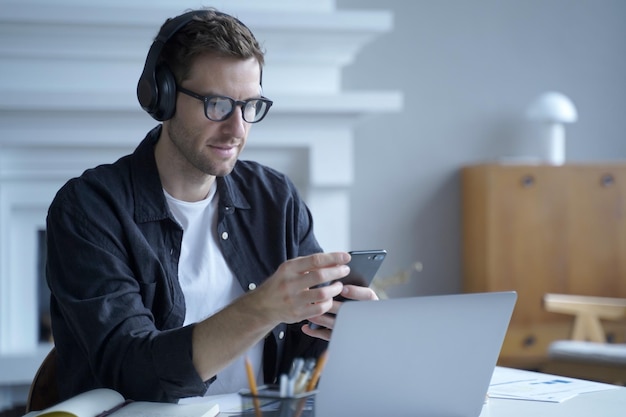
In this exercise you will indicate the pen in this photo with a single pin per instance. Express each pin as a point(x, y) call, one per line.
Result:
point(321, 361)
point(284, 385)
point(317, 371)
point(296, 367)
point(294, 373)
point(303, 379)
point(253, 389)
point(114, 409)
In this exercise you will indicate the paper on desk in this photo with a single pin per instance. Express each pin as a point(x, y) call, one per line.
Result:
point(534, 386)
point(230, 404)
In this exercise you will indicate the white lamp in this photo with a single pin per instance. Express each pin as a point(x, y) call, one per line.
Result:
point(552, 110)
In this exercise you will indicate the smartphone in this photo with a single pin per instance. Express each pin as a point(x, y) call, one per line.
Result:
point(364, 265)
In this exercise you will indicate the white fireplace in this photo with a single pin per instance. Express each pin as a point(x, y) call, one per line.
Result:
point(67, 102)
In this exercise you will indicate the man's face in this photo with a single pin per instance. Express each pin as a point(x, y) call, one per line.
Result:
point(203, 145)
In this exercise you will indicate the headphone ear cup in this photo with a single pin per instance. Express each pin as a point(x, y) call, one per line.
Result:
point(166, 97)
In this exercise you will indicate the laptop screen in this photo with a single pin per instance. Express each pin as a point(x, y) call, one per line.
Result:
point(431, 355)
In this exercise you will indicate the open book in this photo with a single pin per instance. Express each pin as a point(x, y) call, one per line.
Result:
point(103, 402)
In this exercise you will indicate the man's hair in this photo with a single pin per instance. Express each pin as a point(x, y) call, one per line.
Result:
point(210, 32)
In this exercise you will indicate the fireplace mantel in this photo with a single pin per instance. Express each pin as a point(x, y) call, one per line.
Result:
point(67, 103)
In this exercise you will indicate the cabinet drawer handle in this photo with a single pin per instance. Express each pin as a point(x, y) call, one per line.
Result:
point(529, 341)
point(528, 180)
point(607, 180)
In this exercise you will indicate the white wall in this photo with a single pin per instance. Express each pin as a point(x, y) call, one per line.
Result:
point(468, 70)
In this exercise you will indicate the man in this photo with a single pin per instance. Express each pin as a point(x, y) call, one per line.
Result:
point(171, 265)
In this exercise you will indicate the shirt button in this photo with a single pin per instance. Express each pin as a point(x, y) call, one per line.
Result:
point(251, 286)
point(224, 235)
point(281, 335)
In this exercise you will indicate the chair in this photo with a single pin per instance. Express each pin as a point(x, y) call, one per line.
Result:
point(587, 354)
point(43, 391)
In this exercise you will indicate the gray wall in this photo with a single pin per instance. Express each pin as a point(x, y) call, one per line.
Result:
point(468, 70)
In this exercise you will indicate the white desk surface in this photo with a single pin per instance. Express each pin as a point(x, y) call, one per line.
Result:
point(610, 403)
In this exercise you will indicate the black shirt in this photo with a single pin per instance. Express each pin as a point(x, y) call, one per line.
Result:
point(112, 266)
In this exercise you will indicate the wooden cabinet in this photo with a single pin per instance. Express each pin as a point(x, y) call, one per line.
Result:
point(538, 229)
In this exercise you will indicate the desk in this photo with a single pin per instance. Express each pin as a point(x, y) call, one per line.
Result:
point(610, 403)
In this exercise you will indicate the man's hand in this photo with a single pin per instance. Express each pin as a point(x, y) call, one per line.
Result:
point(289, 295)
point(327, 321)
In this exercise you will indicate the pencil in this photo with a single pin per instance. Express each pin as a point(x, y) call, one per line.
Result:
point(321, 361)
point(253, 389)
point(319, 366)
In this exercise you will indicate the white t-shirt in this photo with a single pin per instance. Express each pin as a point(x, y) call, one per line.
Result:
point(207, 282)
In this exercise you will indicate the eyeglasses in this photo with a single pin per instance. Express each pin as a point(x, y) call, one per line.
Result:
point(220, 108)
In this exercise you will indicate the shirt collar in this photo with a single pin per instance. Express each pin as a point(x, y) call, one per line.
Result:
point(230, 193)
point(150, 203)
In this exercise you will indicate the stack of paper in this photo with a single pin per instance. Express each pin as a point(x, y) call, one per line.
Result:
point(534, 386)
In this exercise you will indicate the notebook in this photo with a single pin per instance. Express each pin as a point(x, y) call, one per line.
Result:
point(419, 356)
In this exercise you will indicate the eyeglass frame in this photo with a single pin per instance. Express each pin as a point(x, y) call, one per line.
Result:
point(235, 103)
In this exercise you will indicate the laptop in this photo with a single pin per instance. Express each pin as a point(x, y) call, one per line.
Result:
point(418, 356)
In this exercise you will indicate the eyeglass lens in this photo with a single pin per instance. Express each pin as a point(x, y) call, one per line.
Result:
point(220, 108)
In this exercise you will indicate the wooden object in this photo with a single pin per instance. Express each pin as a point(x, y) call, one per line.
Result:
point(590, 356)
point(540, 229)
point(588, 313)
point(43, 392)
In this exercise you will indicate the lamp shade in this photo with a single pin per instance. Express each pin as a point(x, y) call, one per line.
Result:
point(552, 107)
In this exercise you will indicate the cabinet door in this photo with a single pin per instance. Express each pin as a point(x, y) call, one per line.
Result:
point(523, 234)
point(596, 244)
point(528, 251)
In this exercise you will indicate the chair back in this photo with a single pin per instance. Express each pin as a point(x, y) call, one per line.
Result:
point(44, 391)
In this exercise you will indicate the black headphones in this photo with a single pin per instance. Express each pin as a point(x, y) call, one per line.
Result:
point(156, 89)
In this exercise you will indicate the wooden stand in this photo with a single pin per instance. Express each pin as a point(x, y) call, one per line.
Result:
point(587, 354)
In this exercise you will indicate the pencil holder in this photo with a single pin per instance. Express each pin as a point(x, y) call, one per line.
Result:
point(269, 403)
